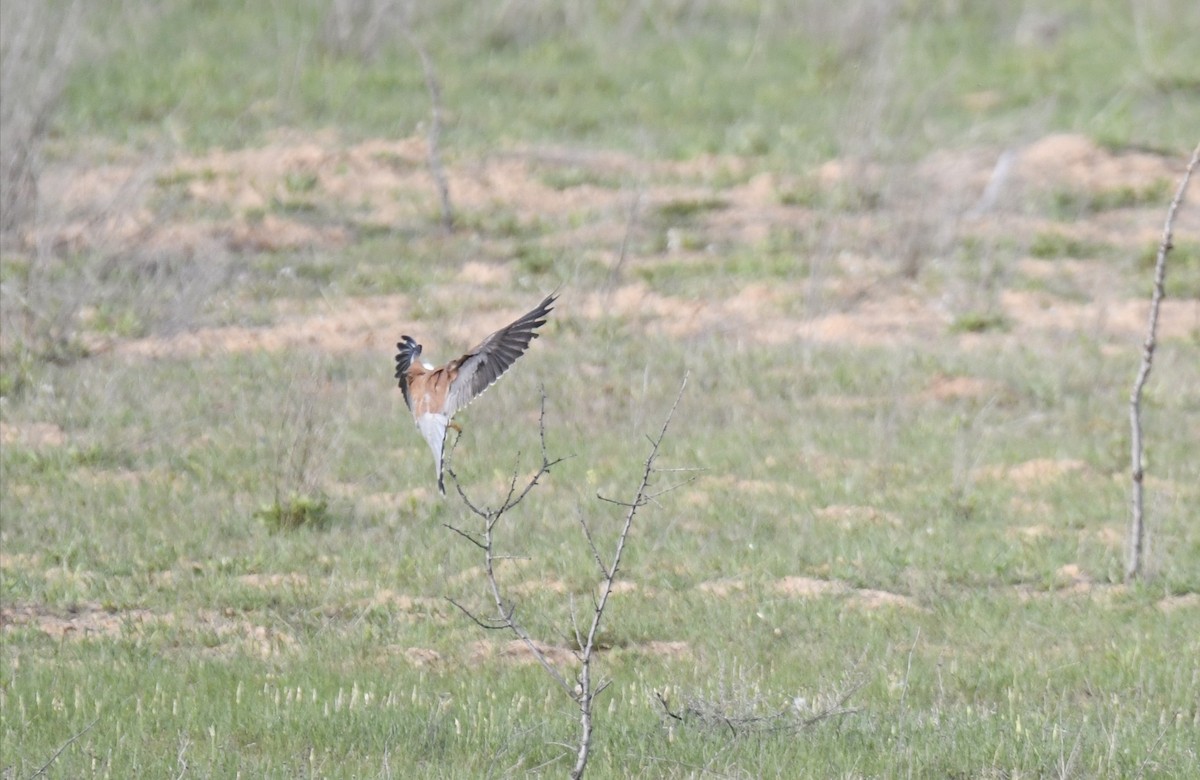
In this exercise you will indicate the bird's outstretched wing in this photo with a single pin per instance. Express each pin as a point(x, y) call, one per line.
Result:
point(409, 350)
point(479, 369)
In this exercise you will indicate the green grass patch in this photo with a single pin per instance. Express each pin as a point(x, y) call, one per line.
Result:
point(979, 322)
point(687, 210)
point(1072, 204)
point(569, 177)
point(295, 513)
point(779, 84)
point(1051, 245)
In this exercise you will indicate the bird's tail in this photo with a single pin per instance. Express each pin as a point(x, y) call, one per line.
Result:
point(433, 428)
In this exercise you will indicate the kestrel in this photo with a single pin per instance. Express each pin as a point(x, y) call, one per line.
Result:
point(434, 394)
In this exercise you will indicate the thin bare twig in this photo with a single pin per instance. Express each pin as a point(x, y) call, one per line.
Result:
point(614, 273)
point(1137, 525)
point(40, 47)
point(904, 688)
point(586, 694)
point(587, 534)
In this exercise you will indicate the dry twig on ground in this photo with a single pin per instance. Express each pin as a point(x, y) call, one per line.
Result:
point(1137, 524)
point(737, 705)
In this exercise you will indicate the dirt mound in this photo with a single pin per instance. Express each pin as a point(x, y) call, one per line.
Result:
point(942, 388)
point(865, 598)
point(1075, 162)
point(226, 632)
point(1036, 472)
point(849, 516)
point(797, 586)
point(516, 651)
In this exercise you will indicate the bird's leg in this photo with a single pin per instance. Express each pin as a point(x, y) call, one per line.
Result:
point(453, 426)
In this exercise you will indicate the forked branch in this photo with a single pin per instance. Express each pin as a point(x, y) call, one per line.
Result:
point(505, 617)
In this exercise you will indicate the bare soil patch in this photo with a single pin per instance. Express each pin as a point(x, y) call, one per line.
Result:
point(942, 389)
point(1183, 601)
point(796, 586)
point(1076, 162)
point(34, 435)
point(866, 598)
point(722, 588)
point(288, 580)
point(221, 633)
point(88, 620)
point(1038, 472)
point(422, 656)
point(849, 516)
point(516, 651)
point(405, 603)
point(663, 649)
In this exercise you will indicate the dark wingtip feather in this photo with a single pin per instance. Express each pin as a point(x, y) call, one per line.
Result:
point(537, 318)
point(407, 351)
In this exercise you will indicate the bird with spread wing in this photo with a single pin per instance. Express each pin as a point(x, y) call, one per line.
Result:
point(433, 395)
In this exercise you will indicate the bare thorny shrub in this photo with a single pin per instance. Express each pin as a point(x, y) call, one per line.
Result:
point(37, 49)
point(362, 28)
point(925, 216)
point(38, 46)
point(302, 445)
point(69, 284)
point(585, 685)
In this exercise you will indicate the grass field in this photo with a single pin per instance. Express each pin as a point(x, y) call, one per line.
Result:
point(903, 253)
